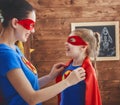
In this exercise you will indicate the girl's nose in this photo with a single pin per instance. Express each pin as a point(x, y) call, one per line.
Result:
point(66, 43)
point(33, 30)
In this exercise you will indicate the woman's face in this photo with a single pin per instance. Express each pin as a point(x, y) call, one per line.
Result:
point(25, 27)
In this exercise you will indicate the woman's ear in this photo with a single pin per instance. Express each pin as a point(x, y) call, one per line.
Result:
point(14, 22)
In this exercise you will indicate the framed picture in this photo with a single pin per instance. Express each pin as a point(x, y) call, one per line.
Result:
point(109, 34)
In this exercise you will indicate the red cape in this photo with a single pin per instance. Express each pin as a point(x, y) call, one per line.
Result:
point(1, 100)
point(92, 95)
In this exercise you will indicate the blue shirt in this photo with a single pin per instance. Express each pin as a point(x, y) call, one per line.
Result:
point(10, 60)
point(74, 95)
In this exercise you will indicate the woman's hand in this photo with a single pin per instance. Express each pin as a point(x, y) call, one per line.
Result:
point(75, 76)
point(56, 69)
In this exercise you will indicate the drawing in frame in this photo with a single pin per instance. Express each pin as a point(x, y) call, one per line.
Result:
point(109, 34)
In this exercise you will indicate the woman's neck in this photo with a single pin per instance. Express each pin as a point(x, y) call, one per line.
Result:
point(7, 37)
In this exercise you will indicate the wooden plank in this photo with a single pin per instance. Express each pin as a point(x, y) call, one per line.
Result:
point(49, 44)
point(93, 3)
point(109, 85)
point(48, 24)
point(79, 11)
point(50, 35)
point(111, 96)
point(112, 74)
point(109, 103)
point(50, 55)
point(68, 3)
point(65, 23)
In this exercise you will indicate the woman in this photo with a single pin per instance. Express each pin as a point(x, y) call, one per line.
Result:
point(80, 46)
point(19, 82)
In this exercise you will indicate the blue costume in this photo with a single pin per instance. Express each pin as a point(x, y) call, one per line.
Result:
point(90, 91)
point(74, 95)
point(10, 60)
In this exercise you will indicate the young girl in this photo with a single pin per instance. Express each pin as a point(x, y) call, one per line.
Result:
point(80, 46)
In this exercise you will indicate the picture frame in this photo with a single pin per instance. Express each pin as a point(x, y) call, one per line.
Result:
point(109, 35)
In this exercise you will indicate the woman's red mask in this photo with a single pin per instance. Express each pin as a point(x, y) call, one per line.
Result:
point(76, 40)
point(27, 23)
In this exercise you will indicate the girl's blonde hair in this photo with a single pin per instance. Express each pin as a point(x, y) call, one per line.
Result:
point(93, 40)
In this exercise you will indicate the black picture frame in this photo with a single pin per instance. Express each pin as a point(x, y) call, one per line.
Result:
point(109, 34)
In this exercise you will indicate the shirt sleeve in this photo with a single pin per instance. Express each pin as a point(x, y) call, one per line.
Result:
point(8, 61)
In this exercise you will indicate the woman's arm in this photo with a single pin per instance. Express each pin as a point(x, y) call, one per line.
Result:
point(44, 80)
point(56, 69)
point(32, 97)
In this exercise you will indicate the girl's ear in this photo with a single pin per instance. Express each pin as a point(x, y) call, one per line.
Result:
point(14, 22)
point(84, 47)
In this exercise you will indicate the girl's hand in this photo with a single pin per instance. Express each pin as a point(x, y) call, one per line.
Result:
point(75, 76)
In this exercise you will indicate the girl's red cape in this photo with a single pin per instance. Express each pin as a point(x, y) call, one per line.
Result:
point(92, 94)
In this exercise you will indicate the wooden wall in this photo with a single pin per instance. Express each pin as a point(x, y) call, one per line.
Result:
point(53, 26)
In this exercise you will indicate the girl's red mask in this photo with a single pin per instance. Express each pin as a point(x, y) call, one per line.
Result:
point(76, 40)
point(27, 23)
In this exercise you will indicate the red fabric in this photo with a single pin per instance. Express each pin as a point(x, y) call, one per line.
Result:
point(76, 40)
point(1, 99)
point(92, 95)
point(27, 23)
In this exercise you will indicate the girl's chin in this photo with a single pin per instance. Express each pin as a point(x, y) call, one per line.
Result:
point(68, 55)
point(25, 40)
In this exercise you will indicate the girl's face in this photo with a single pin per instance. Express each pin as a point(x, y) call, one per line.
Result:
point(73, 49)
point(25, 27)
